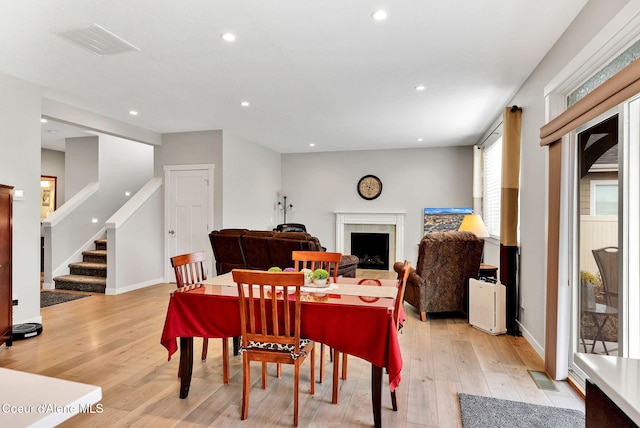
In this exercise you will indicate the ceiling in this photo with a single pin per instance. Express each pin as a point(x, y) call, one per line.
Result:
point(320, 72)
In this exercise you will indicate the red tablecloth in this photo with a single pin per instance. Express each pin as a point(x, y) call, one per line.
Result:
point(358, 328)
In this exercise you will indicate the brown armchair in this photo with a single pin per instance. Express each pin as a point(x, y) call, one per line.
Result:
point(446, 261)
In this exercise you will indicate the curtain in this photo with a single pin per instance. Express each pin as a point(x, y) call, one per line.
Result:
point(510, 176)
point(620, 87)
point(509, 212)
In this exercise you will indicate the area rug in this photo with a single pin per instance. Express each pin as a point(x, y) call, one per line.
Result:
point(482, 412)
point(50, 298)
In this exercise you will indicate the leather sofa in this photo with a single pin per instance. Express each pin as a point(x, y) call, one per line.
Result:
point(262, 249)
point(439, 282)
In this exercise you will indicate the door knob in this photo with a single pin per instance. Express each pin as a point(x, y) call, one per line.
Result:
point(172, 232)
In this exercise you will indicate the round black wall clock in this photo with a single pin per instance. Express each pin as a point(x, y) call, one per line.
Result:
point(369, 187)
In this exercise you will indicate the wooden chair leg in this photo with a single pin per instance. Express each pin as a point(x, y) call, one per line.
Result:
point(344, 366)
point(225, 360)
point(312, 388)
point(264, 375)
point(246, 384)
point(336, 364)
point(279, 370)
point(205, 347)
point(296, 388)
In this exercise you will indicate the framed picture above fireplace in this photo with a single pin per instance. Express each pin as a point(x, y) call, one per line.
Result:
point(444, 219)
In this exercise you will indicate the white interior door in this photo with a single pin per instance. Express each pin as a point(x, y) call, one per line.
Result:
point(188, 212)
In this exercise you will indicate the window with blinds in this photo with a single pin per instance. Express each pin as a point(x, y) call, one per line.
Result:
point(492, 176)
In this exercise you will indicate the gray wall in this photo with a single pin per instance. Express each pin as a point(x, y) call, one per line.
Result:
point(52, 164)
point(319, 184)
point(81, 164)
point(252, 180)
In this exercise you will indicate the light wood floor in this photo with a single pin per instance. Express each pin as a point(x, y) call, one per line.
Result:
point(114, 342)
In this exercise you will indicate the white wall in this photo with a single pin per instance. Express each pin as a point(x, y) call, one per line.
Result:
point(81, 164)
point(20, 106)
point(533, 163)
point(251, 183)
point(319, 184)
point(52, 164)
point(124, 166)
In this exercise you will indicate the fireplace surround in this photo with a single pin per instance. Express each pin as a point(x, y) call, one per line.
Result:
point(371, 222)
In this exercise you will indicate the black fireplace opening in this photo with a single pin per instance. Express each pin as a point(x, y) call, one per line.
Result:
point(372, 250)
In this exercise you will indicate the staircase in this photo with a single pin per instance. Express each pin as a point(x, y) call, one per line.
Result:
point(88, 275)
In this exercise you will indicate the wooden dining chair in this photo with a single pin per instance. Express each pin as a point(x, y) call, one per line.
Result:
point(270, 325)
point(189, 269)
point(403, 274)
point(318, 260)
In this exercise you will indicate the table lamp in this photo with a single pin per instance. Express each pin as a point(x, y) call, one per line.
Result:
point(473, 223)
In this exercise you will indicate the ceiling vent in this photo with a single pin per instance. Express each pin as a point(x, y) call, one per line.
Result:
point(98, 40)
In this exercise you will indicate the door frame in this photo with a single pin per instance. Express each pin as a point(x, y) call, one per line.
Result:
point(168, 170)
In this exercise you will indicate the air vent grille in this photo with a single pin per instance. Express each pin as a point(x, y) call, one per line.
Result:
point(98, 40)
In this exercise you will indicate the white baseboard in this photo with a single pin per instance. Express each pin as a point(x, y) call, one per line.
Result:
point(132, 287)
point(48, 286)
point(534, 344)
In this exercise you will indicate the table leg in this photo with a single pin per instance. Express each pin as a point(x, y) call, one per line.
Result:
point(376, 395)
point(186, 365)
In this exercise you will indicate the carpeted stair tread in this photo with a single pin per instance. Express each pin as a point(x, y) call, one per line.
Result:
point(94, 256)
point(95, 253)
point(89, 265)
point(94, 284)
point(82, 278)
point(88, 268)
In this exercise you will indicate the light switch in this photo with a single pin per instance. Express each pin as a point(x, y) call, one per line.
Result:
point(18, 195)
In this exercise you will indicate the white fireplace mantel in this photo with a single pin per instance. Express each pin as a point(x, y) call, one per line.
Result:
point(390, 218)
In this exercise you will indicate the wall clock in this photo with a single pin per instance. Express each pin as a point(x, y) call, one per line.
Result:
point(369, 187)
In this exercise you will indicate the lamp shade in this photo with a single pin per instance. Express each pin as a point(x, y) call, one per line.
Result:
point(473, 223)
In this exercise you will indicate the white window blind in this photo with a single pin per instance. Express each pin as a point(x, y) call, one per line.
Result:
point(492, 176)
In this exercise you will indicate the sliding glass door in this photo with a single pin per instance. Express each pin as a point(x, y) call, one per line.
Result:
point(605, 244)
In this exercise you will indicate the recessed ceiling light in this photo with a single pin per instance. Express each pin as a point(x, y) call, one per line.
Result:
point(228, 37)
point(133, 112)
point(312, 144)
point(420, 88)
point(245, 104)
point(379, 15)
point(52, 131)
point(419, 139)
point(43, 120)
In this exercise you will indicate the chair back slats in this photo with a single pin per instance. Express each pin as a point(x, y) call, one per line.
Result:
point(317, 260)
point(266, 314)
point(189, 268)
point(607, 261)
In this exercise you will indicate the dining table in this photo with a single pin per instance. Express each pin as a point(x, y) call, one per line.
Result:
point(351, 318)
